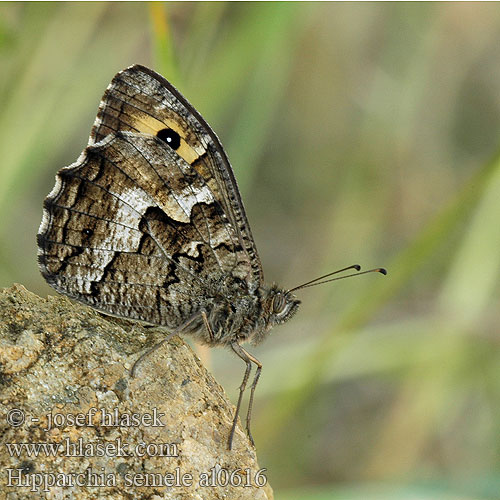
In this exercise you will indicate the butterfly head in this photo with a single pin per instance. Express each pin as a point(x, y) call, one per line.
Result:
point(282, 305)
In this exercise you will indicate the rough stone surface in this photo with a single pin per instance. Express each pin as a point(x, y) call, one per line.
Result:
point(62, 359)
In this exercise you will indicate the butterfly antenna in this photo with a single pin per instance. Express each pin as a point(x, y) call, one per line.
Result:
point(317, 281)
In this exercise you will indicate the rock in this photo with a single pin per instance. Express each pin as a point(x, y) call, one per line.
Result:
point(75, 424)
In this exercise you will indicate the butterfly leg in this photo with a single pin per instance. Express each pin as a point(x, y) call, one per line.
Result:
point(159, 344)
point(248, 359)
point(252, 392)
point(207, 326)
point(149, 351)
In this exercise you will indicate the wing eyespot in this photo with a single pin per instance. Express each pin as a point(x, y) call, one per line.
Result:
point(169, 137)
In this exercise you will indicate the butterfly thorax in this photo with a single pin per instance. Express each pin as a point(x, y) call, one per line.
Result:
point(236, 314)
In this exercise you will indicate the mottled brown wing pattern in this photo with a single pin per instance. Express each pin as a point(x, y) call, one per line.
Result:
point(137, 228)
point(140, 100)
point(108, 239)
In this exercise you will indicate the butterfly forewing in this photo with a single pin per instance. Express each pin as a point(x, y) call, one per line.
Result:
point(139, 100)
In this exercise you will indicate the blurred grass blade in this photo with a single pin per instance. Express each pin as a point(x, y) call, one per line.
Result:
point(264, 92)
point(163, 44)
point(473, 277)
point(198, 44)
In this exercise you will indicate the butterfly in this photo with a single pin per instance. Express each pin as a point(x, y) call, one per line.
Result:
point(148, 224)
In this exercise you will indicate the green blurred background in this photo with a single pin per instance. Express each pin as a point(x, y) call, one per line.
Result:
point(359, 133)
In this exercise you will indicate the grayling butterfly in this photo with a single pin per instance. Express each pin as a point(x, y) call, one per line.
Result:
point(148, 224)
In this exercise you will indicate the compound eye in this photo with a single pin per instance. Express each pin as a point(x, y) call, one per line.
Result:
point(279, 303)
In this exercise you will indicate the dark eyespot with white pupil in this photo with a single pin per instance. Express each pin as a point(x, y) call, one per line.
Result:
point(279, 303)
point(169, 137)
